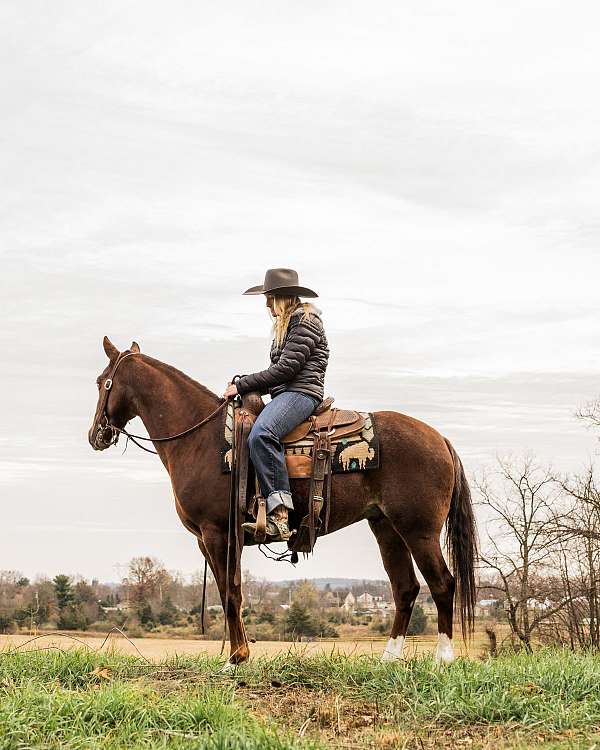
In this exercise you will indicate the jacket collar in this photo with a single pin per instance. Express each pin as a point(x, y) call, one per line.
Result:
point(311, 308)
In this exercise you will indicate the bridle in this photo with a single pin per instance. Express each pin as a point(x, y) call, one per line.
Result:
point(104, 425)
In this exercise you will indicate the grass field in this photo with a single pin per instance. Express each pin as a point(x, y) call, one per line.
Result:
point(80, 699)
point(160, 647)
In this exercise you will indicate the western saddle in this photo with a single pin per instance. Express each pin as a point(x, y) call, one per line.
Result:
point(316, 438)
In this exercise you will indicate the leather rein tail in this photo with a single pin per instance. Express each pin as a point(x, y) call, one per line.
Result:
point(193, 428)
point(232, 514)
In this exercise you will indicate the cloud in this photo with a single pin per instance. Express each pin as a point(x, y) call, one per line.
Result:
point(437, 192)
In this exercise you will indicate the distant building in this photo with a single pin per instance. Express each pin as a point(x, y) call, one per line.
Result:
point(331, 599)
point(366, 602)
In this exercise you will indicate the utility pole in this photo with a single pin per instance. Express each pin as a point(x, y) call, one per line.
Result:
point(32, 613)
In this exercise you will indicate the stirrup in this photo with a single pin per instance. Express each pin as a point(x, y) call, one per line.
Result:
point(277, 531)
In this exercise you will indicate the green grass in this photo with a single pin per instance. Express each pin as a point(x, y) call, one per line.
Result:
point(52, 699)
point(556, 689)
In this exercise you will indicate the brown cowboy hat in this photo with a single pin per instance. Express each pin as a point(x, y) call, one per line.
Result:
point(281, 281)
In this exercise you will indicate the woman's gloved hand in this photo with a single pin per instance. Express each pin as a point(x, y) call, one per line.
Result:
point(230, 391)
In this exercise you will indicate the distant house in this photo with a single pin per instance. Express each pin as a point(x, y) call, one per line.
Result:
point(120, 607)
point(366, 602)
point(331, 599)
point(484, 607)
point(533, 605)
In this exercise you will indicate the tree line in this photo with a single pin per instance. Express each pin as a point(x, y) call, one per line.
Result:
point(150, 599)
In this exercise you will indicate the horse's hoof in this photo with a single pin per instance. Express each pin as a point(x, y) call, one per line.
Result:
point(393, 650)
point(445, 650)
point(229, 666)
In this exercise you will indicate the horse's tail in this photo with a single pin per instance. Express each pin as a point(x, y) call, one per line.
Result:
point(461, 542)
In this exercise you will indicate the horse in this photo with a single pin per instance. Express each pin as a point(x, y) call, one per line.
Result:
point(419, 487)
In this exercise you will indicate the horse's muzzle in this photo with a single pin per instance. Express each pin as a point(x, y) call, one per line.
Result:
point(101, 438)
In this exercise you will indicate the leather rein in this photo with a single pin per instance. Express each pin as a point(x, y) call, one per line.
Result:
point(105, 425)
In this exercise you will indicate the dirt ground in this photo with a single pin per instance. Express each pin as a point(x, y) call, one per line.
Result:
point(159, 648)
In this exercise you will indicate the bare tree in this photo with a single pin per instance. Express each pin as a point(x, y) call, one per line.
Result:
point(576, 531)
point(255, 589)
point(147, 576)
point(590, 413)
point(519, 501)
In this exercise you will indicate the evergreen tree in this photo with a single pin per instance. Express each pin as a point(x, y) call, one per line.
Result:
point(70, 614)
point(168, 613)
point(72, 618)
point(418, 621)
point(146, 616)
point(63, 591)
point(6, 621)
point(299, 621)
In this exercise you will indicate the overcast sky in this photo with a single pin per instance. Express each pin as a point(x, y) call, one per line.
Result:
point(433, 170)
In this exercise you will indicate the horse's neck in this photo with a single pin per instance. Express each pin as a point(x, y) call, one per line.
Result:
point(168, 403)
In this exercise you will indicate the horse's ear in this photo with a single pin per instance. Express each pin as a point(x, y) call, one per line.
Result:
point(135, 347)
point(110, 349)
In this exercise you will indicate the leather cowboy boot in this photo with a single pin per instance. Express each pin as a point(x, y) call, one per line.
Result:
point(278, 529)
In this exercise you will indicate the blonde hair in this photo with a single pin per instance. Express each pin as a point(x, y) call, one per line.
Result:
point(284, 306)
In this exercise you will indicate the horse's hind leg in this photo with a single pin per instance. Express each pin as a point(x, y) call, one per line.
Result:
point(405, 587)
point(428, 556)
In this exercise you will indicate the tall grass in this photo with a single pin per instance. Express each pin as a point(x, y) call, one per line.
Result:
point(61, 700)
point(554, 689)
point(58, 700)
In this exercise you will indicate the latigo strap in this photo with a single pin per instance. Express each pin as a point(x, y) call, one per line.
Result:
point(306, 537)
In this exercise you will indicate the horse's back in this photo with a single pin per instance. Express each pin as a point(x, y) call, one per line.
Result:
point(415, 454)
point(411, 432)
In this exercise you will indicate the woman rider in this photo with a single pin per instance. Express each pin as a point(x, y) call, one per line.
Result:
point(295, 382)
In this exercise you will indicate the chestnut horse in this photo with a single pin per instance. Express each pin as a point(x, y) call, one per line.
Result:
point(419, 486)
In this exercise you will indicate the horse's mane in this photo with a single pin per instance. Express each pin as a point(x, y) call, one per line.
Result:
point(170, 370)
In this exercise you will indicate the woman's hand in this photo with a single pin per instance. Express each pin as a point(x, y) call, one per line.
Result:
point(231, 390)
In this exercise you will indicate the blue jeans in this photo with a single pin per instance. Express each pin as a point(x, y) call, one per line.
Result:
point(279, 417)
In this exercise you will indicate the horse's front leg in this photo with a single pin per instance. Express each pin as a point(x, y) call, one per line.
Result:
point(213, 544)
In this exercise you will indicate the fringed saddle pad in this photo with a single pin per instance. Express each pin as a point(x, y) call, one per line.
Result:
point(357, 452)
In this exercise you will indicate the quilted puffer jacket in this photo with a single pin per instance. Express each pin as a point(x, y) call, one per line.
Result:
point(299, 364)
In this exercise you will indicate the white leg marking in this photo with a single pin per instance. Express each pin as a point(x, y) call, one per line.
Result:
point(445, 650)
point(229, 666)
point(393, 650)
